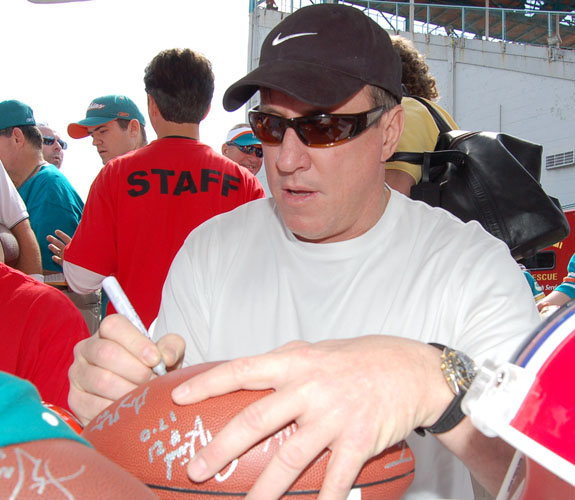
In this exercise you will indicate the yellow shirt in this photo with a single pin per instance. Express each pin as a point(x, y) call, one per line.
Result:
point(419, 134)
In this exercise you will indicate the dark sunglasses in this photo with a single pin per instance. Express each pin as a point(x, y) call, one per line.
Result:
point(317, 131)
point(48, 140)
point(249, 150)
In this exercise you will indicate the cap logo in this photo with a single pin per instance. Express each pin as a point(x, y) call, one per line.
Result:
point(279, 39)
point(95, 105)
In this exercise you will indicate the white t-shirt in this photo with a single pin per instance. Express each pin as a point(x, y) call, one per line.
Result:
point(12, 207)
point(242, 284)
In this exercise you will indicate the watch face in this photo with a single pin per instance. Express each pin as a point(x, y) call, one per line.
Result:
point(458, 368)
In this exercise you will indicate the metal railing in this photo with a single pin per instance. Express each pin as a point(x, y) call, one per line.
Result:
point(527, 26)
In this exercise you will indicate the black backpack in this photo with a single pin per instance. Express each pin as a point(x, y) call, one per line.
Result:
point(492, 178)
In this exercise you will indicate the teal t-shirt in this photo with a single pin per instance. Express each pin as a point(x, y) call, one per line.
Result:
point(536, 288)
point(53, 204)
point(568, 285)
point(23, 418)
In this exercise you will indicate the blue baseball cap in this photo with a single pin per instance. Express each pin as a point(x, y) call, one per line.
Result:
point(242, 136)
point(15, 114)
point(104, 110)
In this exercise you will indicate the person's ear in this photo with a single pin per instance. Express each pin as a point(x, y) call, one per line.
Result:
point(392, 124)
point(18, 136)
point(152, 107)
point(134, 128)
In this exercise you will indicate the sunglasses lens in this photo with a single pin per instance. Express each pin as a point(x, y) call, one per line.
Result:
point(252, 150)
point(325, 130)
point(313, 131)
point(267, 128)
point(317, 131)
point(48, 140)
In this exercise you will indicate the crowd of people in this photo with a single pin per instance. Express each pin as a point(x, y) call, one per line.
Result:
point(338, 291)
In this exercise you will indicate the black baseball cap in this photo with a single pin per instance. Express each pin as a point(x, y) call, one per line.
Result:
point(322, 55)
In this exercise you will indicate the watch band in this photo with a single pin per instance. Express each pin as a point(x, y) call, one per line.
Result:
point(451, 416)
point(448, 420)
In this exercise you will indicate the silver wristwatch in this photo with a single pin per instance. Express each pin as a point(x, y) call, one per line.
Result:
point(459, 371)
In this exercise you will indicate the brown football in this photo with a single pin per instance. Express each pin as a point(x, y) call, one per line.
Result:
point(154, 439)
point(63, 469)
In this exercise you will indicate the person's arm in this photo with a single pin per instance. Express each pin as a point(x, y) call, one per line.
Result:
point(552, 301)
point(562, 294)
point(29, 261)
point(93, 247)
point(14, 215)
point(355, 397)
point(80, 279)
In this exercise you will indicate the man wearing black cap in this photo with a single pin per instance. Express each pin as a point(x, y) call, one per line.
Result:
point(344, 266)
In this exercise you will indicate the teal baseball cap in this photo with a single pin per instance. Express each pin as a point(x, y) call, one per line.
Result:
point(242, 136)
point(15, 114)
point(105, 109)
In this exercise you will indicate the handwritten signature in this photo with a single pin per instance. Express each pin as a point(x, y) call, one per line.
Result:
point(109, 418)
point(40, 475)
point(178, 449)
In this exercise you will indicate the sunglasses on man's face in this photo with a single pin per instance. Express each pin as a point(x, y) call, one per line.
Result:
point(317, 131)
point(48, 140)
point(249, 150)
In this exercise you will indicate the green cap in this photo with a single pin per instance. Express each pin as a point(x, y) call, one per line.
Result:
point(104, 110)
point(23, 416)
point(15, 114)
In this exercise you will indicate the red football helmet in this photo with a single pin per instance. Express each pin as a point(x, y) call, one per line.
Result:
point(530, 404)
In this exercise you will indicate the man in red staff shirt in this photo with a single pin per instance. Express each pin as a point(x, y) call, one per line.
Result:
point(143, 205)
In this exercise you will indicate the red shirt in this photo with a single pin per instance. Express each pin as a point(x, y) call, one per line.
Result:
point(143, 205)
point(39, 327)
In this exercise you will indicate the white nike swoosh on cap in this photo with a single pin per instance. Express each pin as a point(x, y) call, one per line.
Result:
point(278, 39)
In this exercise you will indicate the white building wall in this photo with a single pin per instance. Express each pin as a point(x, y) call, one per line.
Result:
point(516, 89)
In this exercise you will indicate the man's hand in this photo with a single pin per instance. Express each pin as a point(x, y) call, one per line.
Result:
point(115, 361)
point(58, 242)
point(356, 397)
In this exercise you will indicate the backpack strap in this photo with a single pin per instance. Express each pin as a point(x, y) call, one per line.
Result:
point(431, 159)
point(441, 122)
point(442, 125)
